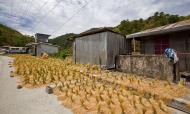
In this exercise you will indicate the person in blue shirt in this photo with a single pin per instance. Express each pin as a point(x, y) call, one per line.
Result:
point(172, 56)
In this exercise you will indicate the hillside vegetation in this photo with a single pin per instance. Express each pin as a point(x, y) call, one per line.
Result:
point(65, 44)
point(158, 19)
point(9, 36)
point(63, 40)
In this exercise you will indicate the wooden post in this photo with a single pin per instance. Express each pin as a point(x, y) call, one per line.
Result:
point(75, 51)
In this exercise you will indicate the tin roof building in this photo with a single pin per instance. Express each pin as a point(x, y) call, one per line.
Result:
point(100, 47)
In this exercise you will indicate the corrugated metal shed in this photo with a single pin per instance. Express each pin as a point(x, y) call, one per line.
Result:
point(179, 26)
point(99, 47)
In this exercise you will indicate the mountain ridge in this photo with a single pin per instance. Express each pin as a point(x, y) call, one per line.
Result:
point(9, 36)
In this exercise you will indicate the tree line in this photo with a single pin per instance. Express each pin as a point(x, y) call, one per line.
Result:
point(127, 27)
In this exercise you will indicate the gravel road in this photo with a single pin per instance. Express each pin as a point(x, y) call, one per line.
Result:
point(24, 101)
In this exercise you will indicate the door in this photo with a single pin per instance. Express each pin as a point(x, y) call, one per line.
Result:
point(160, 44)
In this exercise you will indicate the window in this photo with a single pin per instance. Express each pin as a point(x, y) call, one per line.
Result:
point(136, 46)
point(14, 48)
point(160, 45)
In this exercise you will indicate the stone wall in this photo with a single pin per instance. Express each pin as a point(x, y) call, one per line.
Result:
point(152, 66)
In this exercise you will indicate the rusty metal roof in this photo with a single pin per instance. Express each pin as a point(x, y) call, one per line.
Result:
point(179, 26)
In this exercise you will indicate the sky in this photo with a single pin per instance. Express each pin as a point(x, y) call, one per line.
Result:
point(58, 17)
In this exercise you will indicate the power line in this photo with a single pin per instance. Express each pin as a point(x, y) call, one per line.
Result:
point(9, 15)
point(38, 9)
point(11, 8)
point(23, 8)
point(69, 19)
point(9, 19)
point(26, 14)
point(26, 10)
point(42, 19)
point(22, 16)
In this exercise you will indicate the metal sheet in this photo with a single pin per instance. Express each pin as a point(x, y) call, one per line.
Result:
point(116, 45)
point(91, 49)
point(100, 49)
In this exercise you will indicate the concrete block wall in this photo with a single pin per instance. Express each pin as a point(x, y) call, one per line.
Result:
point(46, 48)
point(152, 66)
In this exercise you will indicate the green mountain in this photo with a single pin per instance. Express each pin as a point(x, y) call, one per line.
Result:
point(9, 36)
point(158, 19)
point(65, 43)
point(64, 40)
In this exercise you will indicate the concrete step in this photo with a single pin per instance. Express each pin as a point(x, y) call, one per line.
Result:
point(181, 104)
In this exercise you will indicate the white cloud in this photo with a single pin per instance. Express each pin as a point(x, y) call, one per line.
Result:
point(48, 16)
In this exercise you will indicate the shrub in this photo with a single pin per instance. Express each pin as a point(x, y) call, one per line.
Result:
point(63, 53)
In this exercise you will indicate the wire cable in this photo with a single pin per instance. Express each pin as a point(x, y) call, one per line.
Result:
point(39, 8)
point(42, 19)
point(69, 19)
